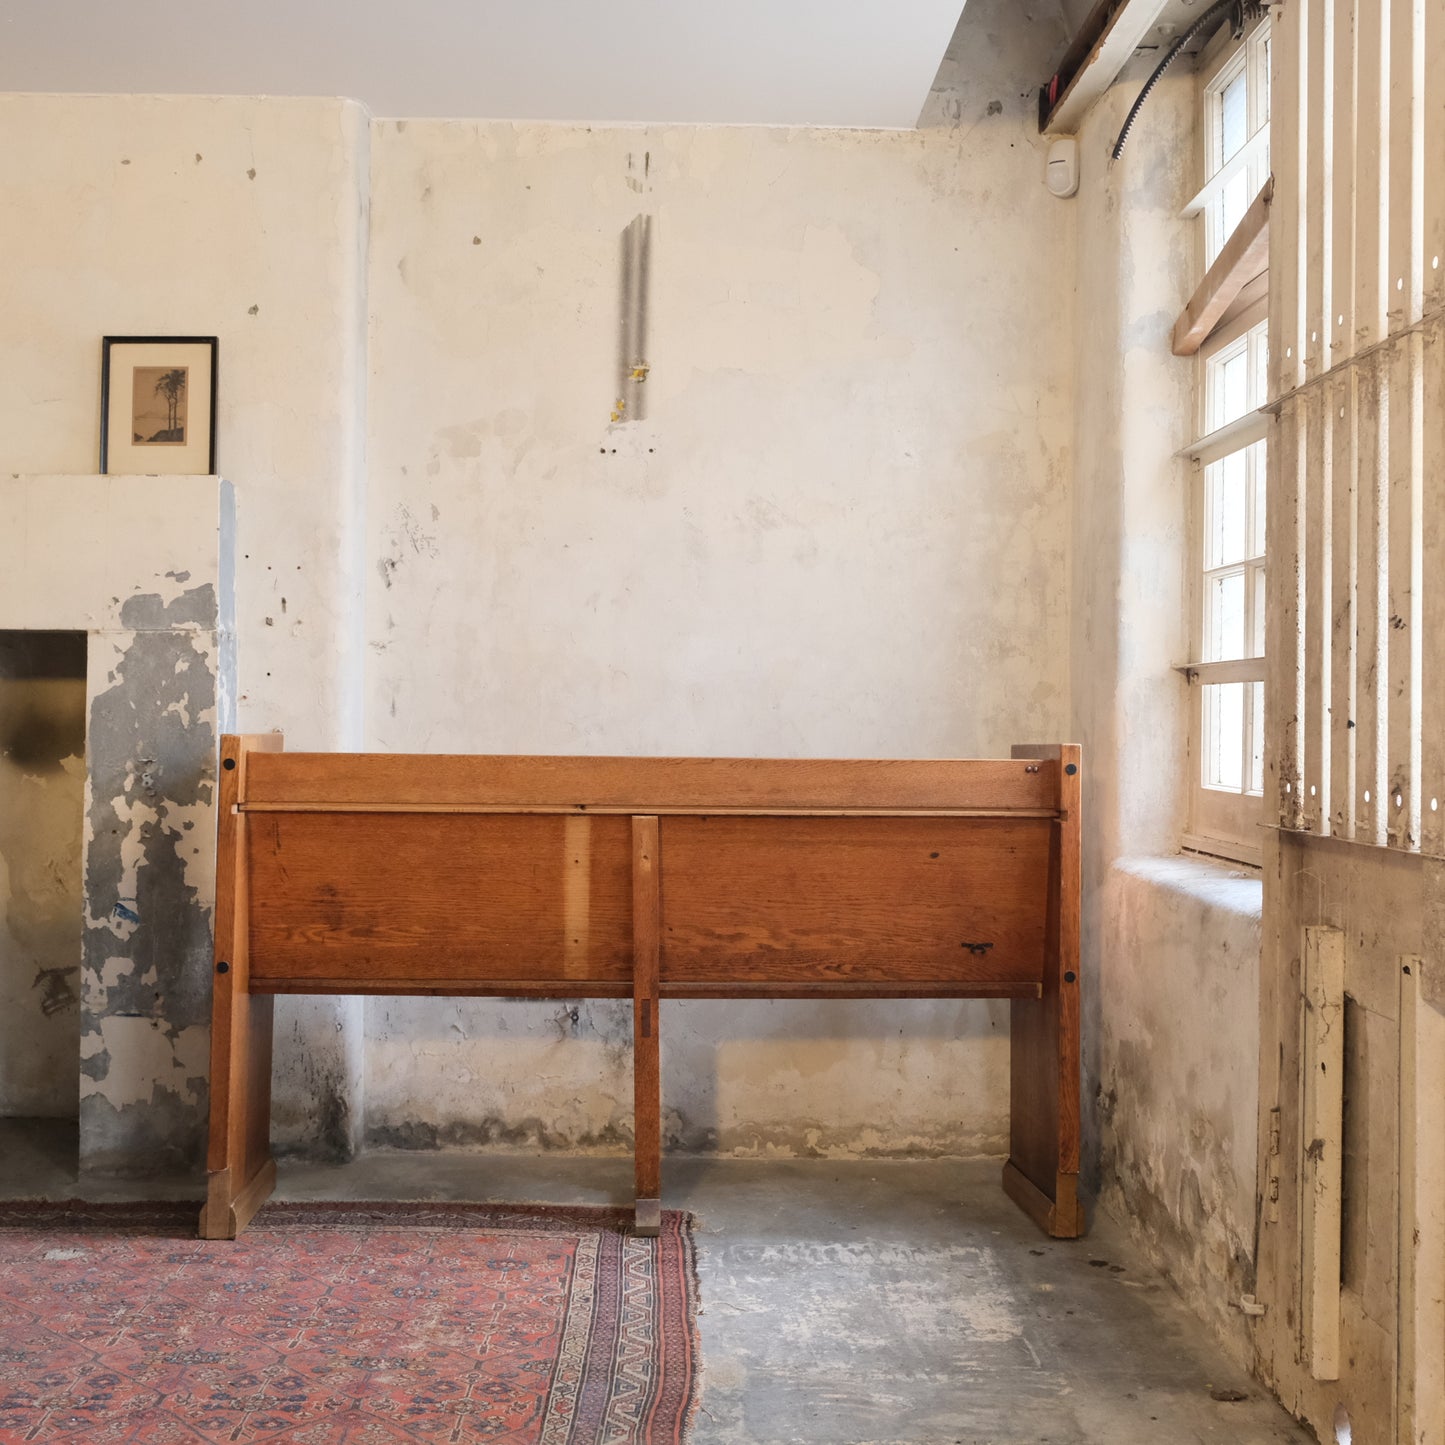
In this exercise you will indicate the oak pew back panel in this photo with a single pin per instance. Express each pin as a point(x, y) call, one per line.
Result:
point(824, 901)
point(362, 898)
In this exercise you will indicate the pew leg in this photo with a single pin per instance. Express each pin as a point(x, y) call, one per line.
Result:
point(647, 1116)
point(646, 1055)
point(240, 1171)
point(1042, 1172)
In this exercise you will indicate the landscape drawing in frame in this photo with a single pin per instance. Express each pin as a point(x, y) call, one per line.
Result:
point(158, 405)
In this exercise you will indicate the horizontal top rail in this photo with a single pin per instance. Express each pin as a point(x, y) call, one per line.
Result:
point(420, 782)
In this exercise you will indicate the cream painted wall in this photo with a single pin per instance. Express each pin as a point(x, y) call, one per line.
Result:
point(1171, 945)
point(236, 218)
point(842, 530)
point(243, 219)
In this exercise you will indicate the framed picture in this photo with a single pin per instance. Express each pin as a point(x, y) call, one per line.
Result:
point(158, 405)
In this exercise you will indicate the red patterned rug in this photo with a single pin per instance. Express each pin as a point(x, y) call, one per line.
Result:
point(366, 1324)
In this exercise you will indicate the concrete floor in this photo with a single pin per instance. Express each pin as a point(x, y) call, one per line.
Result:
point(857, 1303)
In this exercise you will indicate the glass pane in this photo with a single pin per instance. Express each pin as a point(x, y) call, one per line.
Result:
point(1223, 704)
point(1256, 759)
point(1224, 618)
point(1259, 391)
point(1235, 199)
point(1264, 108)
point(1233, 116)
point(1258, 649)
point(1257, 482)
point(1230, 391)
point(1226, 510)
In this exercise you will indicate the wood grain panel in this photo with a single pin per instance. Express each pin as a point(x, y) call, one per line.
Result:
point(402, 896)
point(646, 1047)
point(644, 785)
point(1044, 1063)
point(835, 900)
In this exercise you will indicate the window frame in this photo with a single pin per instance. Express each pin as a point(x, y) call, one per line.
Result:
point(1223, 823)
point(1224, 63)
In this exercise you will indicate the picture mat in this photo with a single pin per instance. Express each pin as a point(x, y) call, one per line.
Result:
point(122, 455)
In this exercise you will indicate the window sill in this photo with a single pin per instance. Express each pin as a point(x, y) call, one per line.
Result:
point(1228, 888)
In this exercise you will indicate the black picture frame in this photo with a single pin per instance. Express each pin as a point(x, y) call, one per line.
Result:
point(109, 362)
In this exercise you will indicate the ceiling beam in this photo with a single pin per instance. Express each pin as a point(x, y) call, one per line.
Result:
point(1113, 31)
point(1242, 257)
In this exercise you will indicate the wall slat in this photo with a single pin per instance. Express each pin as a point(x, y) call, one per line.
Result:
point(1341, 401)
point(1371, 183)
point(1371, 595)
point(1286, 214)
point(1432, 571)
point(1402, 700)
point(1341, 325)
point(1284, 699)
point(1405, 278)
point(1318, 659)
point(1318, 273)
point(1432, 126)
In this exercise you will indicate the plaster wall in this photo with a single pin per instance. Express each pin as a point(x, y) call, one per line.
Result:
point(244, 219)
point(841, 530)
point(185, 215)
point(1171, 944)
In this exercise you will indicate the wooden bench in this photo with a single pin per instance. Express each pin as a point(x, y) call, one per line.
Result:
point(648, 878)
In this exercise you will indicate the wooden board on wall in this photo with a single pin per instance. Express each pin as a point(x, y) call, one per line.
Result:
point(907, 900)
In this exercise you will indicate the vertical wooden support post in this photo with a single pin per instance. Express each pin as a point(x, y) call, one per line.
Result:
point(241, 1172)
point(1322, 1141)
point(646, 1056)
point(1421, 1355)
point(1042, 1172)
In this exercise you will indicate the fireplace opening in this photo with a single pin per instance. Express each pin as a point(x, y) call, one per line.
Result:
point(42, 814)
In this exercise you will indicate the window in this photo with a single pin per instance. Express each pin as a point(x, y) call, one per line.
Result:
point(1236, 138)
point(1228, 522)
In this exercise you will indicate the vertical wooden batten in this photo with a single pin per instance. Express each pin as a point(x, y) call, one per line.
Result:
point(647, 1058)
point(1323, 1137)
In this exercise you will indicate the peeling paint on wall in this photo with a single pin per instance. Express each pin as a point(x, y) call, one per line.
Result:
point(149, 885)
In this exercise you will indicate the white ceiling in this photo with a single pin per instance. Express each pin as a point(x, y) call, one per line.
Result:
point(770, 62)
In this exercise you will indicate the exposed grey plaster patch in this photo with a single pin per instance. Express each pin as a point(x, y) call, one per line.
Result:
point(94, 1065)
point(147, 941)
point(146, 612)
